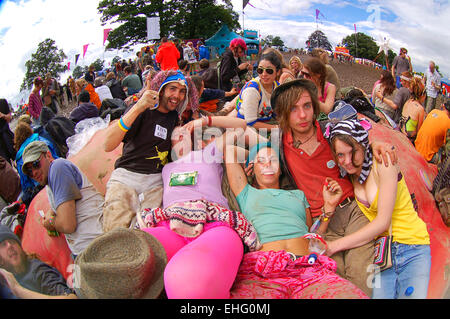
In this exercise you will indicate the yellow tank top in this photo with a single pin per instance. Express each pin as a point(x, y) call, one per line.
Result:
point(407, 227)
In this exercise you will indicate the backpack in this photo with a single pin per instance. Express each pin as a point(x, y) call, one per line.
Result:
point(13, 217)
point(211, 77)
point(441, 190)
point(60, 128)
point(254, 84)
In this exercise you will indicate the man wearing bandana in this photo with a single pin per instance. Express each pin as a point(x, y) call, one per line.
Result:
point(145, 130)
point(308, 160)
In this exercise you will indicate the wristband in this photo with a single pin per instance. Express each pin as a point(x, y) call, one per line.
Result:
point(51, 221)
point(121, 127)
point(209, 120)
point(123, 124)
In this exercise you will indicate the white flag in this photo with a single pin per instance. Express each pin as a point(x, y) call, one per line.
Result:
point(153, 28)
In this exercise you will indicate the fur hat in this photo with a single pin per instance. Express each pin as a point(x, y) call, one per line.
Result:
point(121, 264)
point(165, 77)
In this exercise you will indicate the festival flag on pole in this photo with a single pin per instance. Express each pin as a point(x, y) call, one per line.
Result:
point(76, 58)
point(85, 47)
point(354, 26)
point(105, 35)
point(244, 3)
point(153, 28)
point(319, 13)
point(68, 65)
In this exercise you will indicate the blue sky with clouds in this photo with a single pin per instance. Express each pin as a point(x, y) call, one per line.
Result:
point(418, 25)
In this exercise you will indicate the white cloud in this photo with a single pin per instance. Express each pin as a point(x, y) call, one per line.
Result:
point(70, 23)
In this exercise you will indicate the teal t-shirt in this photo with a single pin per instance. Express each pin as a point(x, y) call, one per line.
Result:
point(276, 214)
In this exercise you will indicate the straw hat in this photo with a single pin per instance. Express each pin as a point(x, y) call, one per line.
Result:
point(120, 264)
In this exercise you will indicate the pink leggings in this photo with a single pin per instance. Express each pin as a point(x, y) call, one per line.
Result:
point(203, 268)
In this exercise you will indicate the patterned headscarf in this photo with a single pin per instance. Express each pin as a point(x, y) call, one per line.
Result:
point(358, 130)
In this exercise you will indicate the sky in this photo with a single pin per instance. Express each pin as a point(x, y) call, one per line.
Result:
point(418, 25)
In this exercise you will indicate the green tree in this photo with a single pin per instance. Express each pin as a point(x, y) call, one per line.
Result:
point(277, 42)
point(318, 39)
point(363, 46)
point(98, 64)
point(202, 18)
point(79, 71)
point(47, 59)
point(272, 41)
point(182, 19)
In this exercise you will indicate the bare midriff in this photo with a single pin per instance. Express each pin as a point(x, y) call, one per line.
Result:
point(298, 246)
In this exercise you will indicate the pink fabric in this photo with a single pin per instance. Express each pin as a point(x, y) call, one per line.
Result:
point(189, 218)
point(274, 275)
point(325, 93)
point(207, 162)
point(35, 105)
point(203, 267)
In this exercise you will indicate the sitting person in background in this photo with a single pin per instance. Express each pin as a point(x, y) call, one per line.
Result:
point(101, 89)
point(115, 87)
point(209, 98)
point(81, 85)
point(431, 136)
point(253, 104)
point(386, 89)
point(183, 67)
point(280, 268)
point(314, 70)
point(285, 73)
point(85, 109)
point(383, 196)
point(24, 277)
point(401, 97)
point(413, 111)
point(204, 65)
point(295, 65)
point(131, 82)
point(10, 187)
point(332, 76)
point(23, 136)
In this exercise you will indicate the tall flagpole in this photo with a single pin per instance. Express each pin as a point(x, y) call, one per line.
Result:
point(243, 18)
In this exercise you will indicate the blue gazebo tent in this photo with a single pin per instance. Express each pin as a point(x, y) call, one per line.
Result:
point(221, 40)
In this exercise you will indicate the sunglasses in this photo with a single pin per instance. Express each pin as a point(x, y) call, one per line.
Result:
point(28, 170)
point(260, 70)
point(305, 75)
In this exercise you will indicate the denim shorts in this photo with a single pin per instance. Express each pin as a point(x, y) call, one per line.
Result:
point(409, 275)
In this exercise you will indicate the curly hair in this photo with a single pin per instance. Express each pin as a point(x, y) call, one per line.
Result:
point(417, 88)
point(22, 132)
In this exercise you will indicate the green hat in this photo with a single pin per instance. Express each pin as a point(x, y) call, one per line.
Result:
point(33, 151)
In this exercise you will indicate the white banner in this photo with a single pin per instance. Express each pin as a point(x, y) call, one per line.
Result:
point(153, 28)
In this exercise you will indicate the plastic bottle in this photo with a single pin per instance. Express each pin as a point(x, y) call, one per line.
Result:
point(316, 248)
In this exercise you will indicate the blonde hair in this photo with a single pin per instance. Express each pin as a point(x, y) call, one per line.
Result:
point(296, 58)
point(21, 133)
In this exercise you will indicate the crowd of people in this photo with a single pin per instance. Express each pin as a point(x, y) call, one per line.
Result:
point(228, 175)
